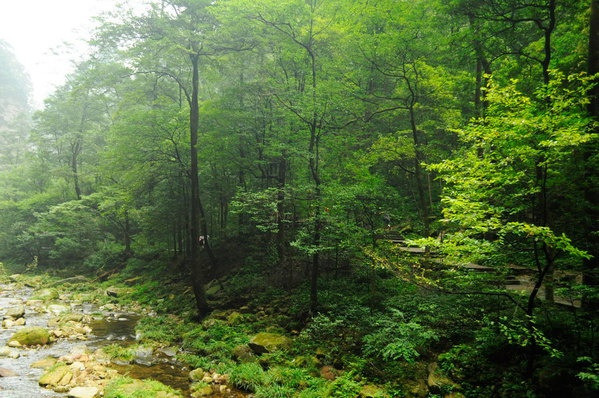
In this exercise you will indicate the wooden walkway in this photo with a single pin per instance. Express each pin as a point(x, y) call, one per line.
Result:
point(519, 279)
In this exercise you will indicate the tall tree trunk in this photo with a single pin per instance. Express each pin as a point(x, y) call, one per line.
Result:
point(195, 209)
point(284, 266)
point(590, 273)
point(75, 149)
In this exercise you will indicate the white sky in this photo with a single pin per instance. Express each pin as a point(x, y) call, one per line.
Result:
point(47, 36)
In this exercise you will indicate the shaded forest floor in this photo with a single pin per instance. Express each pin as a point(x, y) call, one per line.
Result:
point(375, 335)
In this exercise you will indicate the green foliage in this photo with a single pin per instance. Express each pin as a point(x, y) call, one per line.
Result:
point(125, 387)
point(591, 373)
point(247, 376)
point(343, 387)
point(395, 339)
point(120, 353)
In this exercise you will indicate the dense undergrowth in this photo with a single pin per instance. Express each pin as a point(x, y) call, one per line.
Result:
point(375, 335)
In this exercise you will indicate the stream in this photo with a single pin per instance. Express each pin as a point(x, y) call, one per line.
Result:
point(108, 329)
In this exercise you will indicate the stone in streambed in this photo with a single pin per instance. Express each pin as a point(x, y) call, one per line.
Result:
point(31, 336)
point(202, 391)
point(10, 322)
point(57, 376)
point(196, 374)
point(7, 352)
point(44, 363)
point(84, 392)
point(15, 312)
point(7, 373)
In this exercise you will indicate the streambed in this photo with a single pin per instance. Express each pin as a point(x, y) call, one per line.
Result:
point(110, 328)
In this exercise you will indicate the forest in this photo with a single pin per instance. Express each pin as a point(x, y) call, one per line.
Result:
point(317, 198)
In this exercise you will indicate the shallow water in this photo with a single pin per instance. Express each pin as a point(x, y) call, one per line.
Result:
point(111, 328)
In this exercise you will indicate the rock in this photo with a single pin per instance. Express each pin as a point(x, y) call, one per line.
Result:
point(243, 353)
point(19, 322)
point(15, 312)
point(196, 374)
point(47, 294)
point(7, 373)
point(169, 351)
point(7, 352)
point(437, 381)
point(57, 309)
point(417, 389)
point(329, 373)
point(234, 318)
point(372, 391)
point(84, 392)
point(45, 363)
point(14, 344)
point(202, 391)
point(268, 342)
point(58, 376)
point(143, 356)
point(31, 336)
point(112, 291)
point(77, 366)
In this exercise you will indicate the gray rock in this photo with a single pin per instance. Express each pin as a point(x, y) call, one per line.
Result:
point(84, 392)
point(15, 312)
point(7, 352)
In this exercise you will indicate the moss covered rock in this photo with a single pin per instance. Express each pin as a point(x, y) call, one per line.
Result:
point(127, 387)
point(372, 391)
point(31, 336)
point(59, 375)
point(269, 342)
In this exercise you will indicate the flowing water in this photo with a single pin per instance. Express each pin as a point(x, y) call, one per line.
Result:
point(109, 329)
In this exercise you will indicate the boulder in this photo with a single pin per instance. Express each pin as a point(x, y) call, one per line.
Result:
point(47, 294)
point(7, 352)
point(234, 318)
point(454, 395)
point(45, 363)
point(202, 391)
point(329, 373)
point(58, 376)
point(243, 353)
point(7, 373)
point(15, 312)
point(31, 336)
point(113, 291)
point(372, 391)
point(57, 309)
point(196, 374)
point(143, 356)
point(268, 342)
point(84, 392)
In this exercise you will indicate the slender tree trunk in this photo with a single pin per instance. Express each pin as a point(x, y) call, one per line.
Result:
point(195, 208)
point(127, 235)
point(75, 149)
point(418, 173)
point(284, 265)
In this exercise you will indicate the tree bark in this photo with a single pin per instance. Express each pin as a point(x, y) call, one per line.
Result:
point(195, 207)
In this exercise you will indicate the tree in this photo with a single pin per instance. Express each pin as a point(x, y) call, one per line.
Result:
point(494, 194)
